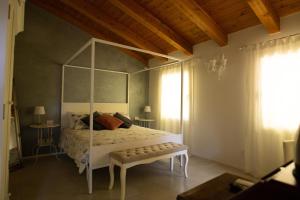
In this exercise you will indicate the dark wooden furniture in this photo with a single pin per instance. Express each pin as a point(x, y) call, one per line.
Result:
point(215, 189)
point(279, 184)
point(286, 178)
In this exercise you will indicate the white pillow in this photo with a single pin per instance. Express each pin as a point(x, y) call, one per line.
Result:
point(70, 120)
point(125, 115)
point(75, 121)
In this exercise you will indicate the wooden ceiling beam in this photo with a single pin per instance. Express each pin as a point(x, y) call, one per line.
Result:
point(84, 27)
point(266, 14)
point(119, 29)
point(202, 19)
point(147, 19)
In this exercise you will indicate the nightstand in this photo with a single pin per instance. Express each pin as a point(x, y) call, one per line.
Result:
point(44, 138)
point(144, 122)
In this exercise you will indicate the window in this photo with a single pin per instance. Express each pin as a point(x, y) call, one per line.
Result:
point(280, 91)
point(171, 95)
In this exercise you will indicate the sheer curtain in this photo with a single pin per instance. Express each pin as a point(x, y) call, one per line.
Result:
point(191, 100)
point(168, 98)
point(272, 102)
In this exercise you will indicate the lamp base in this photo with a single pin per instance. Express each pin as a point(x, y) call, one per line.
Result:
point(39, 120)
point(147, 115)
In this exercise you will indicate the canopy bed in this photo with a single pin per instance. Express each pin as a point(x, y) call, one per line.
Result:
point(90, 148)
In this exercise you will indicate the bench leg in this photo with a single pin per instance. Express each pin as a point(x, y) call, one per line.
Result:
point(186, 164)
point(87, 173)
point(112, 176)
point(181, 160)
point(90, 181)
point(171, 164)
point(123, 182)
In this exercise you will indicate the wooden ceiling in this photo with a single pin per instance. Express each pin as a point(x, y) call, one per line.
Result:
point(165, 26)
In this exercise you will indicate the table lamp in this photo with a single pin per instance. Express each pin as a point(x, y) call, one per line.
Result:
point(147, 110)
point(39, 110)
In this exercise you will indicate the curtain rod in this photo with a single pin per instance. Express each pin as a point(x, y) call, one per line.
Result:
point(247, 45)
point(167, 64)
point(156, 67)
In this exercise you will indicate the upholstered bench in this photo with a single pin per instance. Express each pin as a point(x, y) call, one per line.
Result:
point(143, 155)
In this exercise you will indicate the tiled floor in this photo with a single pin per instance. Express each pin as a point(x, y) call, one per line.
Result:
point(59, 179)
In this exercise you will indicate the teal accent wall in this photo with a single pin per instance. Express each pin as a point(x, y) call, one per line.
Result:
point(139, 93)
point(40, 50)
point(108, 87)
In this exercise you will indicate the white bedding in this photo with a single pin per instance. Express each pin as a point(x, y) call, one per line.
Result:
point(76, 142)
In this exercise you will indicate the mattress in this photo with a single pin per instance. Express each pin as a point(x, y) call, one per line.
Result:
point(75, 143)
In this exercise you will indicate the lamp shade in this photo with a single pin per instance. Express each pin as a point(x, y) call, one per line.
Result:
point(147, 109)
point(39, 110)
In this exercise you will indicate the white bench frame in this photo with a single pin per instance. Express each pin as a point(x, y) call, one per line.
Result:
point(125, 166)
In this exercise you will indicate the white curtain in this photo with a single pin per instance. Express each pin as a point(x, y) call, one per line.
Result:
point(169, 98)
point(167, 101)
point(191, 100)
point(272, 102)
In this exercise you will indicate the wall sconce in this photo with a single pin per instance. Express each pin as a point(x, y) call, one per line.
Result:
point(217, 65)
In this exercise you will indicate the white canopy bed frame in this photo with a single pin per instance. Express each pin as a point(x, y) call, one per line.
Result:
point(101, 160)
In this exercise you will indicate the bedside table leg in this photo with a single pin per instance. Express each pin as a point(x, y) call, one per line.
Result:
point(52, 143)
point(37, 154)
point(33, 150)
point(48, 139)
point(55, 148)
point(39, 141)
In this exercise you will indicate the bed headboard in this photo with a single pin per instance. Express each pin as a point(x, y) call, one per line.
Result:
point(85, 108)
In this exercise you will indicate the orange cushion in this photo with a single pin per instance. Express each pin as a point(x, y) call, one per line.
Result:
point(108, 121)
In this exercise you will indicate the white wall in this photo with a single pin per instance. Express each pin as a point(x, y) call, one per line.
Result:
point(220, 134)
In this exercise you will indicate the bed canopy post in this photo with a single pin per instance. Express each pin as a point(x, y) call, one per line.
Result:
point(135, 49)
point(90, 168)
point(181, 100)
point(181, 107)
point(128, 93)
point(86, 45)
point(62, 94)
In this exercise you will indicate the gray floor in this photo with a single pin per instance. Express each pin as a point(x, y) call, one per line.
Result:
point(59, 179)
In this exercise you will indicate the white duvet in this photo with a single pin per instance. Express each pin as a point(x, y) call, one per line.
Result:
point(76, 142)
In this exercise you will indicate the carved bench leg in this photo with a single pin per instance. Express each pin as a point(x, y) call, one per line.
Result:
point(181, 160)
point(186, 164)
point(123, 182)
point(90, 181)
point(112, 175)
point(171, 164)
